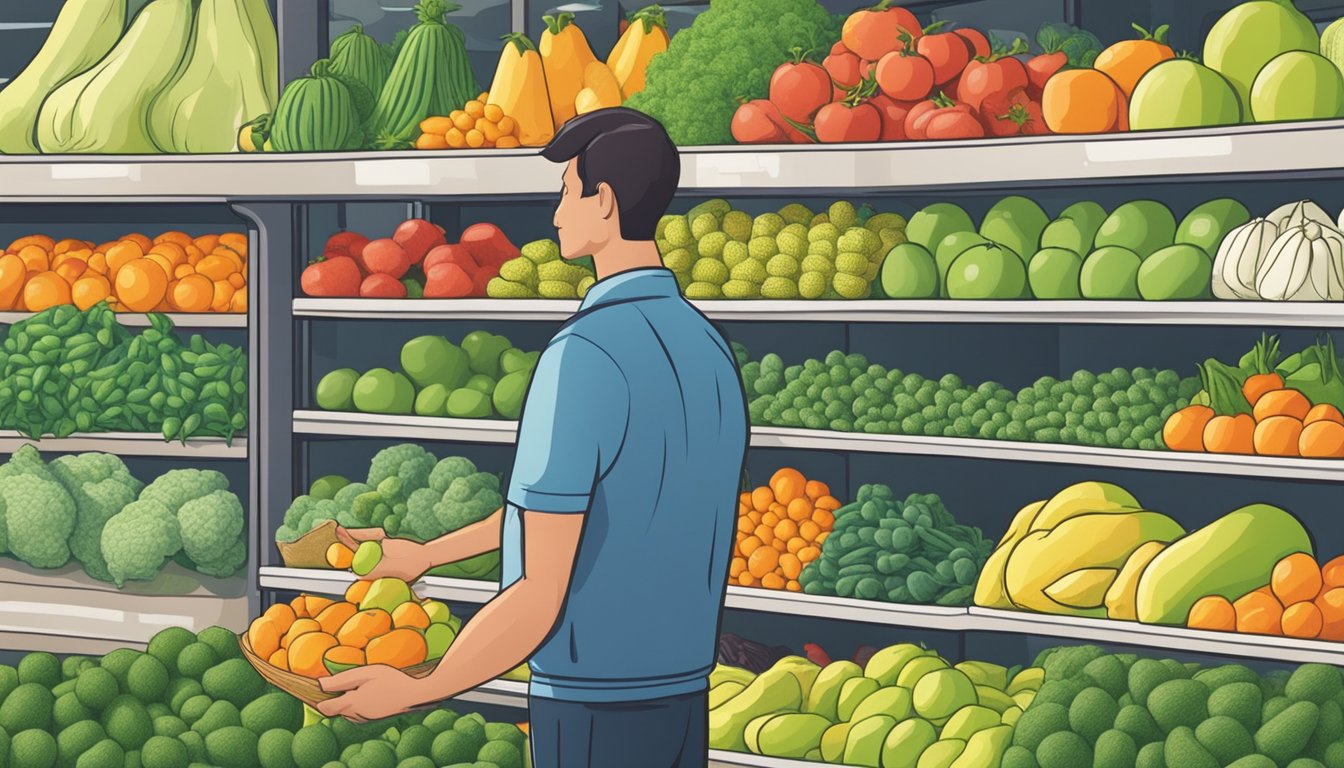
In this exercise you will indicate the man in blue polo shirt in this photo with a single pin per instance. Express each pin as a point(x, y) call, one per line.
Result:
point(622, 500)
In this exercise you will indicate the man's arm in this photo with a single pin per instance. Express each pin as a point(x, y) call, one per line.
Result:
point(496, 640)
point(408, 560)
point(506, 631)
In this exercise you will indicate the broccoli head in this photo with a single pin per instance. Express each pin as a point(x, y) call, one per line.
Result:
point(409, 463)
point(39, 517)
point(468, 500)
point(178, 486)
point(420, 522)
point(138, 539)
point(100, 485)
point(448, 470)
point(212, 529)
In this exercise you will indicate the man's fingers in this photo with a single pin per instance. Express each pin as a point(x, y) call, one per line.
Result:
point(345, 681)
point(331, 707)
point(351, 537)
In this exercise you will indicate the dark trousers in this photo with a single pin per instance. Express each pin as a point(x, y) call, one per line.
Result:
point(660, 733)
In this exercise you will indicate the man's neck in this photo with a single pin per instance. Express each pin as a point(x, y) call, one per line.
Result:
point(620, 256)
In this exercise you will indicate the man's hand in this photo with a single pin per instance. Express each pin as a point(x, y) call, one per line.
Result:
point(402, 558)
point(369, 693)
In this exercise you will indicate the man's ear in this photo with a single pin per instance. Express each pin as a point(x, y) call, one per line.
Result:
point(606, 200)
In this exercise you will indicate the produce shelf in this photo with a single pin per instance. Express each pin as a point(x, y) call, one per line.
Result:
point(135, 320)
point(335, 582)
point(130, 444)
point(65, 610)
point(487, 431)
point(1235, 151)
point(1229, 313)
point(1065, 628)
point(845, 609)
point(722, 758)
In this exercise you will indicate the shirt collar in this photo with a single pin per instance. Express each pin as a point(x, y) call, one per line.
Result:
point(643, 283)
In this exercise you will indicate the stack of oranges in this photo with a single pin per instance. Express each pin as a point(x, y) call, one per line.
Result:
point(474, 126)
point(780, 529)
point(173, 272)
point(1303, 599)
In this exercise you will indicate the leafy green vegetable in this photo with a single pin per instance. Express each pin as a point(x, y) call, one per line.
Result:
point(1079, 45)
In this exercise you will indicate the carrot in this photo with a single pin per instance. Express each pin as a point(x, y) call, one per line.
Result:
point(1230, 434)
point(1184, 431)
point(1295, 578)
point(1322, 440)
point(1302, 620)
point(1324, 412)
point(1277, 436)
point(1282, 402)
point(1083, 101)
point(1129, 60)
point(1213, 612)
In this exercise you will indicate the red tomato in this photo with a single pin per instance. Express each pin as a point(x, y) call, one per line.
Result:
point(999, 73)
point(845, 68)
point(893, 114)
point(753, 124)
point(953, 124)
point(799, 89)
point(839, 122)
point(1041, 68)
point(979, 43)
point(874, 32)
point(1012, 114)
point(917, 120)
point(948, 52)
point(905, 76)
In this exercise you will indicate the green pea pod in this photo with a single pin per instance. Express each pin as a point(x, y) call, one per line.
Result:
point(83, 421)
point(175, 403)
point(88, 404)
point(197, 344)
point(239, 421)
point(157, 400)
point(78, 340)
point(104, 337)
point(208, 372)
point(188, 379)
point(21, 361)
point(52, 407)
point(105, 373)
point(85, 350)
point(138, 395)
point(190, 425)
point(240, 387)
point(170, 385)
point(26, 395)
point(111, 414)
point(215, 412)
point(81, 367)
point(169, 364)
point(171, 426)
point(115, 397)
point(72, 394)
point(188, 395)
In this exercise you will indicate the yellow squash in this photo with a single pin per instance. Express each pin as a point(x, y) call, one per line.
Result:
point(600, 89)
point(519, 88)
point(645, 37)
point(565, 55)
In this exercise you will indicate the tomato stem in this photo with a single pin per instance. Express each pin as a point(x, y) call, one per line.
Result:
point(1019, 46)
point(936, 27)
point(943, 101)
point(1158, 35)
point(861, 92)
point(799, 55)
point(802, 128)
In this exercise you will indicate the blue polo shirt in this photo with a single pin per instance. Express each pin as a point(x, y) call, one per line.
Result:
point(636, 419)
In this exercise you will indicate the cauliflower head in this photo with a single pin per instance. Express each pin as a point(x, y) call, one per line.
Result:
point(138, 539)
point(212, 530)
point(178, 486)
point(39, 517)
point(100, 485)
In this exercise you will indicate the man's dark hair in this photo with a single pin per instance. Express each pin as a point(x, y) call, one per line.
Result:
point(632, 154)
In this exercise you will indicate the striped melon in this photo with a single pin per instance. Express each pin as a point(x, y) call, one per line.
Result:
point(316, 114)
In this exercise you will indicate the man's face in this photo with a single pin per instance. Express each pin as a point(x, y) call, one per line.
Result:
point(580, 221)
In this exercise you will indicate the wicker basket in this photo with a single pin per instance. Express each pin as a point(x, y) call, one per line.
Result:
point(306, 689)
point(310, 549)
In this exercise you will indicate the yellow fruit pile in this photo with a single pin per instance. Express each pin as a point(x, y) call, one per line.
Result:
point(173, 272)
point(475, 125)
point(780, 529)
point(378, 622)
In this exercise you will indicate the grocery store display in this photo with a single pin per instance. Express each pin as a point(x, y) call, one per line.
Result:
point(1104, 709)
point(90, 508)
point(539, 272)
point(1137, 251)
point(1295, 253)
point(64, 370)
point(780, 530)
point(173, 272)
point(182, 78)
point(717, 252)
point(1115, 409)
point(191, 699)
point(910, 551)
point(906, 705)
point(1266, 406)
point(1302, 598)
point(483, 377)
point(416, 262)
point(409, 494)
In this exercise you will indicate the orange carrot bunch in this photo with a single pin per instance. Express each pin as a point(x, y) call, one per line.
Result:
point(780, 529)
point(1303, 599)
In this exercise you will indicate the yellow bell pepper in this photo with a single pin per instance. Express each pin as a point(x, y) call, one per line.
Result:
point(519, 88)
point(565, 54)
point(645, 37)
point(600, 89)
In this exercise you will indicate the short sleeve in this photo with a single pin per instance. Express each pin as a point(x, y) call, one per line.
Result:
point(573, 425)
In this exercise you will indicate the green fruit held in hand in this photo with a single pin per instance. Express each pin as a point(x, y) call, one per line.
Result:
point(336, 390)
point(1110, 272)
point(1141, 226)
point(382, 391)
point(909, 272)
point(987, 272)
point(1054, 273)
point(1179, 93)
point(1297, 86)
point(366, 558)
point(1174, 273)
